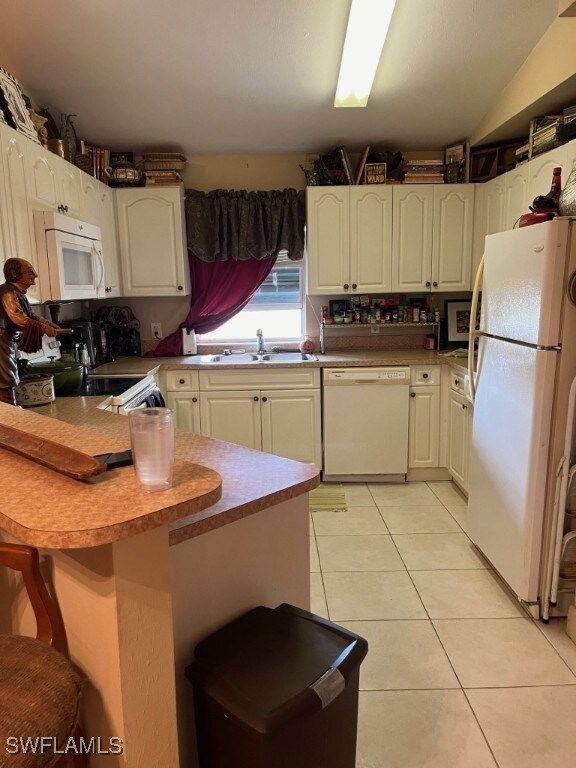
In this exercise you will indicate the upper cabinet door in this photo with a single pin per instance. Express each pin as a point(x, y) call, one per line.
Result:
point(21, 242)
point(54, 183)
point(541, 168)
point(152, 242)
point(371, 238)
point(452, 241)
point(515, 195)
point(110, 252)
point(328, 239)
point(412, 241)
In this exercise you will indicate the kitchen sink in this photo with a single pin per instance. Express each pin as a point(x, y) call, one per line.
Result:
point(288, 357)
point(232, 358)
point(268, 357)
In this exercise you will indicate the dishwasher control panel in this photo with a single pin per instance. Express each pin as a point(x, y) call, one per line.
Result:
point(384, 375)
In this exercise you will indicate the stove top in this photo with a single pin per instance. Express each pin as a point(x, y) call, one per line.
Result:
point(104, 386)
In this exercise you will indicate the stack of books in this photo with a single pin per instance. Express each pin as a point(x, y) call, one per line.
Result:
point(522, 153)
point(545, 133)
point(569, 127)
point(93, 160)
point(162, 168)
point(424, 172)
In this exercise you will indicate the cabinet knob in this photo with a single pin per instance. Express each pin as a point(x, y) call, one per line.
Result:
point(424, 375)
point(255, 398)
point(412, 394)
point(181, 381)
point(194, 399)
point(346, 286)
point(180, 288)
point(457, 381)
point(464, 407)
point(428, 284)
point(264, 399)
point(354, 286)
point(435, 284)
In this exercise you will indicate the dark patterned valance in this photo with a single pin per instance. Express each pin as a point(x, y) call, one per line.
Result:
point(240, 225)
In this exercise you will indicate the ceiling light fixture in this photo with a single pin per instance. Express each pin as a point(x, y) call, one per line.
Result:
point(367, 29)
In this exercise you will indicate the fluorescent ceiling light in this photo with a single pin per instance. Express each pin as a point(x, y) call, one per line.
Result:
point(367, 29)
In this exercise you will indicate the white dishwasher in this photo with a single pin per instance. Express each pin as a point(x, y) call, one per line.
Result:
point(365, 423)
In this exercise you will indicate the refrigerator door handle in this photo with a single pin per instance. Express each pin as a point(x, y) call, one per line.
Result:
point(473, 332)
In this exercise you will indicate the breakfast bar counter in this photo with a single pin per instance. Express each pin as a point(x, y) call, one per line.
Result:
point(141, 578)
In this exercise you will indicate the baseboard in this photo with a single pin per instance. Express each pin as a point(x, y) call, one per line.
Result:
point(423, 475)
point(364, 478)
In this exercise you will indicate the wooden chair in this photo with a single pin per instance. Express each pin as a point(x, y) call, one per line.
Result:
point(39, 689)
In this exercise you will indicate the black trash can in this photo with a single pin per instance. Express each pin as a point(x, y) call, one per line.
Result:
point(277, 688)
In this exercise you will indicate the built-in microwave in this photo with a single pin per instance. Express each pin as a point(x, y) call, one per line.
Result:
point(69, 254)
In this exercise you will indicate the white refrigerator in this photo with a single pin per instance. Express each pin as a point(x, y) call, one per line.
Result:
point(525, 364)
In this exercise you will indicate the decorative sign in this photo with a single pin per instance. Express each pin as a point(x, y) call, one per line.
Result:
point(375, 173)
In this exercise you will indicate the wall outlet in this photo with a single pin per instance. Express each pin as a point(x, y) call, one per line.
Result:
point(156, 330)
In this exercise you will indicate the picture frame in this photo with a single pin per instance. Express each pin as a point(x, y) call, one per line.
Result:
point(457, 314)
point(460, 151)
point(14, 107)
point(336, 306)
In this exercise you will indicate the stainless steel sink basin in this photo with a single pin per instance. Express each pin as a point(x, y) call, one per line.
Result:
point(268, 357)
point(232, 358)
point(288, 357)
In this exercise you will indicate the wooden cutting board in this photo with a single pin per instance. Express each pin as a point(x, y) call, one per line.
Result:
point(60, 458)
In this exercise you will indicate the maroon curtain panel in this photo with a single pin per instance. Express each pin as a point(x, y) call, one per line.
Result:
point(220, 289)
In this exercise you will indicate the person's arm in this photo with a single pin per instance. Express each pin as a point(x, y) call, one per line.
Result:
point(17, 314)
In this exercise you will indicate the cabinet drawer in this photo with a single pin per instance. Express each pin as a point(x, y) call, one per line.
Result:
point(424, 375)
point(279, 378)
point(181, 381)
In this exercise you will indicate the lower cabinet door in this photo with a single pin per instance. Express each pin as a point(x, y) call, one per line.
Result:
point(458, 440)
point(186, 407)
point(424, 428)
point(232, 416)
point(291, 425)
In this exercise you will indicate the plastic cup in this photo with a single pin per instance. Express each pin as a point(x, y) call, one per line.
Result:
point(152, 439)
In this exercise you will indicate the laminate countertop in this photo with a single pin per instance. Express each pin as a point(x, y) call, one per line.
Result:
point(143, 365)
point(215, 483)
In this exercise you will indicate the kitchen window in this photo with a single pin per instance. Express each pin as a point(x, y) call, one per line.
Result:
point(276, 307)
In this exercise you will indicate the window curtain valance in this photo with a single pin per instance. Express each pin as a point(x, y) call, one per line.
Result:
point(238, 225)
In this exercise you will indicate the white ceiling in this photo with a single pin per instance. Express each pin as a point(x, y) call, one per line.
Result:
point(249, 76)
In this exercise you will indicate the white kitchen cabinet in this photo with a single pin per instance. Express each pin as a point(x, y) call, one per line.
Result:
point(432, 237)
point(460, 418)
point(424, 418)
point(349, 235)
point(277, 411)
point(152, 241)
point(4, 234)
point(20, 241)
point(54, 183)
point(182, 395)
point(98, 208)
point(541, 167)
point(516, 200)
point(488, 217)
point(110, 251)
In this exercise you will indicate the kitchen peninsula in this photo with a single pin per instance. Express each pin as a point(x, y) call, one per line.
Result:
point(140, 578)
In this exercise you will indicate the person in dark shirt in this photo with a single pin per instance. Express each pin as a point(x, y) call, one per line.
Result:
point(19, 326)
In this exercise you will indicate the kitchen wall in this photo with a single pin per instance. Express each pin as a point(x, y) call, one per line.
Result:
point(544, 84)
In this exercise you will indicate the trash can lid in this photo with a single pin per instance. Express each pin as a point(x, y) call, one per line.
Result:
point(268, 657)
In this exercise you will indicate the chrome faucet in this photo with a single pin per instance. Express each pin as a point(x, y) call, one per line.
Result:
point(260, 340)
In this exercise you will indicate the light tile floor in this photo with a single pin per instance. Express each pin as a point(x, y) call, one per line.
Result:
point(457, 674)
